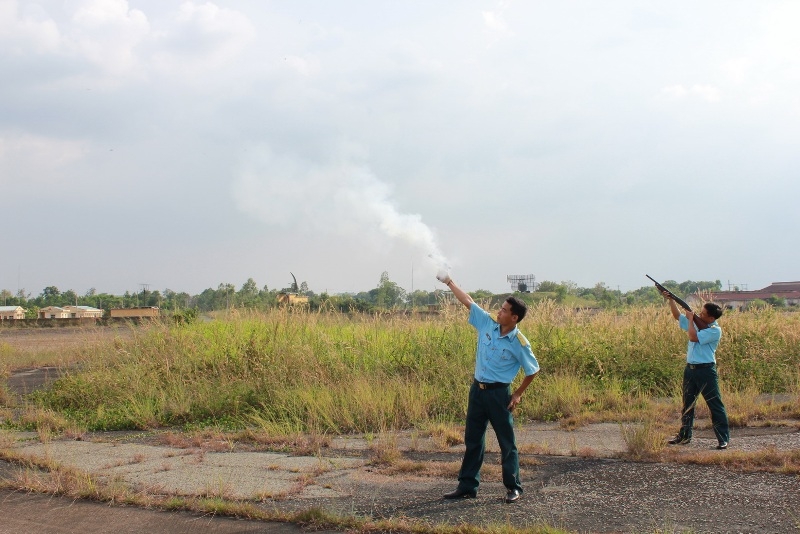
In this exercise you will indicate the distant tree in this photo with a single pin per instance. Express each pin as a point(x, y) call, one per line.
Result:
point(206, 300)
point(572, 287)
point(69, 298)
point(22, 297)
point(776, 301)
point(5, 295)
point(183, 300)
point(388, 294)
point(248, 295)
point(103, 301)
point(351, 303)
point(690, 286)
point(50, 296)
point(481, 294)
point(561, 293)
point(421, 298)
point(185, 316)
point(154, 298)
point(547, 286)
point(228, 293)
point(605, 296)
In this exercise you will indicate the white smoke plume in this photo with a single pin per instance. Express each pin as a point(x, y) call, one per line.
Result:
point(343, 197)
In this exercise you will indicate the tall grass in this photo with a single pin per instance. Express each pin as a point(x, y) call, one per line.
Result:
point(337, 373)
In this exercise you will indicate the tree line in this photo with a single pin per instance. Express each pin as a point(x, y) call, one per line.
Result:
point(387, 295)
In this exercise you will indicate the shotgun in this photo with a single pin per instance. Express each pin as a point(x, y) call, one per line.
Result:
point(699, 323)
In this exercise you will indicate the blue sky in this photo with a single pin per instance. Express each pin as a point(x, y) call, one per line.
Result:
point(190, 143)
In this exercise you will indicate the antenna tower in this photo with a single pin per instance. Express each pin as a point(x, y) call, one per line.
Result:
point(524, 283)
point(736, 287)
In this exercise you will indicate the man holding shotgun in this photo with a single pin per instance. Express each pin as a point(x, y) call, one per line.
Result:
point(700, 374)
point(501, 351)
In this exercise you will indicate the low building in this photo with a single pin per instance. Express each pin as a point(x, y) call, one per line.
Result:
point(84, 312)
point(292, 298)
point(53, 312)
point(11, 313)
point(134, 313)
point(788, 291)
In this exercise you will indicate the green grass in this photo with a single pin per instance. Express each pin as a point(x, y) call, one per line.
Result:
point(331, 373)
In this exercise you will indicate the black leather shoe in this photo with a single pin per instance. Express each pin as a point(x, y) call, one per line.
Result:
point(461, 494)
point(677, 440)
point(513, 496)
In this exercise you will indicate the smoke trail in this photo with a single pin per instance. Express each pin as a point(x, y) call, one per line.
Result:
point(342, 198)
point(371, 198)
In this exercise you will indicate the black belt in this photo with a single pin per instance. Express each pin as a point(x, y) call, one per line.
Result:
point(491, 385)
point(699, 365)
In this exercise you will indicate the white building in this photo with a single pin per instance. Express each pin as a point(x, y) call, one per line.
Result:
point(84, 312)
point(10, 313)
point(53, 312)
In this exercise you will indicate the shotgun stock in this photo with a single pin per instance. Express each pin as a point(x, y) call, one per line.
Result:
point(699, 323)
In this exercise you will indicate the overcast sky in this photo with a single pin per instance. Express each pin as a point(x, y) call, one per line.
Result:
point(184, 144)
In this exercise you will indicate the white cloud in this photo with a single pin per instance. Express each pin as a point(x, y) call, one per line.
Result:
point(304, 66)
point(29, 32)
point(37, 160)
point(495, 20)
point(709, 93)
point(107, 33)
point(203, 36)
point(738, 69)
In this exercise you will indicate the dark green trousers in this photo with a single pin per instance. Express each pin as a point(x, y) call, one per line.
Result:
point(489, 406)
point(705, 382)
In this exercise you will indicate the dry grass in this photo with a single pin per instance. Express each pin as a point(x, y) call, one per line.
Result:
point(287, 371)
point(7, 439)
point(6, 397)
point(422, 469)
point(23, 348)
point(645, 441)
point(768, 460)
point(445, 436)
point(384, 450)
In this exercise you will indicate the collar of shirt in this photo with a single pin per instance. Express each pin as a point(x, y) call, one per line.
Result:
point(510, 335)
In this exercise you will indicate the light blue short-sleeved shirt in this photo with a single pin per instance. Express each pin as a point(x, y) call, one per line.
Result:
point(703, 350)
point(499, 358)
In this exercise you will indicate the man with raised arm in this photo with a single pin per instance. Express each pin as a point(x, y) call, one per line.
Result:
point(700, 374)
point(501, 352)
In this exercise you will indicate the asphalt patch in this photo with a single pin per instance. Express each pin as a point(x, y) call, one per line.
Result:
point(24, 381)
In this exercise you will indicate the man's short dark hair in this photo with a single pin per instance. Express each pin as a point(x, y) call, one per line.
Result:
point(518, 307)
point(713, 309)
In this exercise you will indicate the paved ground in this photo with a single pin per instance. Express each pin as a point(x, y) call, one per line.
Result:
point(581, 494)
point(572, 479)
point(45, 514)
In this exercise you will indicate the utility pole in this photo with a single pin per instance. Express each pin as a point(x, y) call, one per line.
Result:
point(145, 287)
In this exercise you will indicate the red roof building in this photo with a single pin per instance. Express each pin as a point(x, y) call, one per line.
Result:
point(789, 291)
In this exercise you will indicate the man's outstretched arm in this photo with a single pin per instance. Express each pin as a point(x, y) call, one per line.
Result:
point(460, 294)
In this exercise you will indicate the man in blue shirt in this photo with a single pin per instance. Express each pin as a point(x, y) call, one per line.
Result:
point(700, 375)
point(501, 352)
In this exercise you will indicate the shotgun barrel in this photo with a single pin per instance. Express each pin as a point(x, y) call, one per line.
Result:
point(699, 323)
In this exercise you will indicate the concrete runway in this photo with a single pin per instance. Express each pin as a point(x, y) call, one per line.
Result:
point(46, 514)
